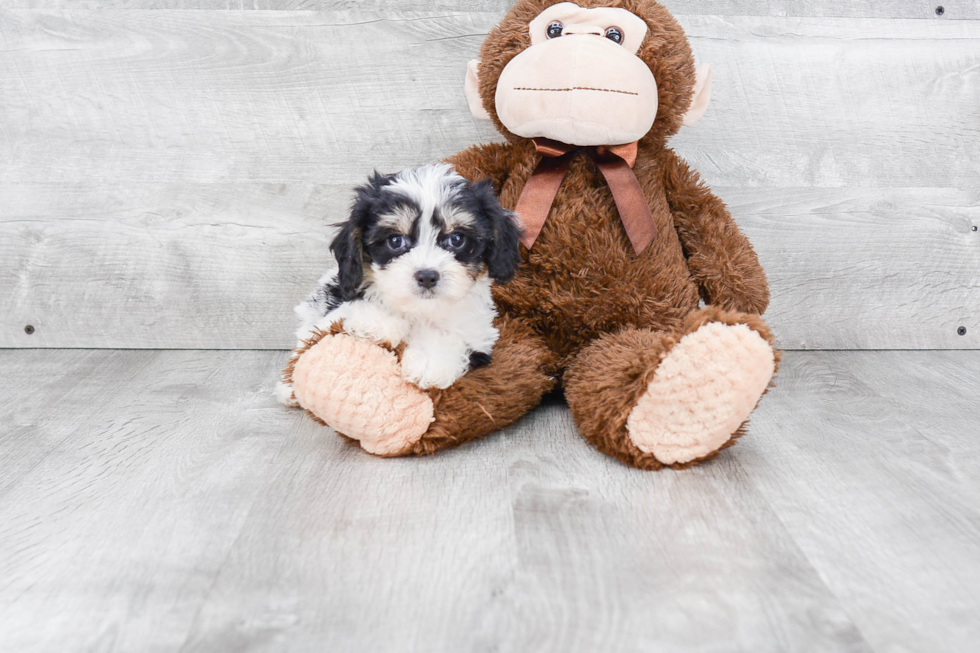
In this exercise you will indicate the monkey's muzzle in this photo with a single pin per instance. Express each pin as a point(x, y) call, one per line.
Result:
point(577, 89)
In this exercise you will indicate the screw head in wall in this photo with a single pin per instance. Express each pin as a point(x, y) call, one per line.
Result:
point(29, 329)
point(961, 331)
point(940, 10)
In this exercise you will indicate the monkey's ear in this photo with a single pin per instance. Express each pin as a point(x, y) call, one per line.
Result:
point(702, 95)
point(473, 91)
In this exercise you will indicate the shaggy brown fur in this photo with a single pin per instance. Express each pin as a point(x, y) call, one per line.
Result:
point(583, 304)
point(607, 378)
point(492, 397)
point(608, 314)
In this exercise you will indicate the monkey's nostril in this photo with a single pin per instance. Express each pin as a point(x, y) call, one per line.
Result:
point(427, 278)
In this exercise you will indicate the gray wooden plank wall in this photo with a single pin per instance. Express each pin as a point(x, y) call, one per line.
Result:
point(954, 10)
point(168, 176)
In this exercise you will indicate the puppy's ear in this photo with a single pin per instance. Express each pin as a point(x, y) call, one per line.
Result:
point(503, 255)
point(347, 247)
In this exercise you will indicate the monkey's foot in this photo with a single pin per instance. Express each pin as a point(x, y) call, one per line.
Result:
point(355, 387)
point(701, 393)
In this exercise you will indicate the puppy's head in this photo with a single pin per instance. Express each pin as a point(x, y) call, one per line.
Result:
point(424, 237)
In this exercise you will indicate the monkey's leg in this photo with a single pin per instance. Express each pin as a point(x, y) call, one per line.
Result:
point(653, 399)
point(355, 387)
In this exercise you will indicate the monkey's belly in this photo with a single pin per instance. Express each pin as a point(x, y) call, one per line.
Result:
point(582, 278)
point(571, 310)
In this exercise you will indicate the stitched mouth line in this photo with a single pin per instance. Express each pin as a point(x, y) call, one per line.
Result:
point(575, 88)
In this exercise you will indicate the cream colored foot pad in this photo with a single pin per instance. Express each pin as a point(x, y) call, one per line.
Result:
point(701, 393)
point(356, 387)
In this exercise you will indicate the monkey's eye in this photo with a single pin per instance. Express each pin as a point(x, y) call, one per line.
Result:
point(555, 30)
point(456, 241)
point(396, 243)
point(615, 35)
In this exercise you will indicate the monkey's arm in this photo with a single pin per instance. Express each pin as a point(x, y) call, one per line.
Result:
point(487, 161)
point(720, 257)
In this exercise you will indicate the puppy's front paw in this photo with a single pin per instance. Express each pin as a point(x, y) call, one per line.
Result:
point(428, 370)
point(368, 322)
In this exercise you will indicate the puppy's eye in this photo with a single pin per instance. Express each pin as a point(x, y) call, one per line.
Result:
point(555, 29)
point(456, 241)
point(615, 35)
point(396, 242)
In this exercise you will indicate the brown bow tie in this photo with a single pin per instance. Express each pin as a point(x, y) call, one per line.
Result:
point(616, 164)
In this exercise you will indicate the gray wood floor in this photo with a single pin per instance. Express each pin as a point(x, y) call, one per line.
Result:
point(161, 501)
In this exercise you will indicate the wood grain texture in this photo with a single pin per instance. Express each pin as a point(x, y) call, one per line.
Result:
point(925, 9)
point(222, 265)
point(527, 541)
point(155, 256)
point(183, 510)
point(881, 493)
point(191, 96)
point(167, 177)
point(154, 476)
point(30, 434)
point(867, 269)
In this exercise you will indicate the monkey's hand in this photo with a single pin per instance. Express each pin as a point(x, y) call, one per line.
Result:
point(720, 257)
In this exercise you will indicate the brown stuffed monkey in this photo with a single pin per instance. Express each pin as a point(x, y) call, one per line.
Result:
point(621, 241)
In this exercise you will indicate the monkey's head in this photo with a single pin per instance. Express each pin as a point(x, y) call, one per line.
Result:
point(593, 72)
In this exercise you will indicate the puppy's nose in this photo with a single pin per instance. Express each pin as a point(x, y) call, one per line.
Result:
point(427, 278)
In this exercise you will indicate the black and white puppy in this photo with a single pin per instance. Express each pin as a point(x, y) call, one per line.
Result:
point(415, 265)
